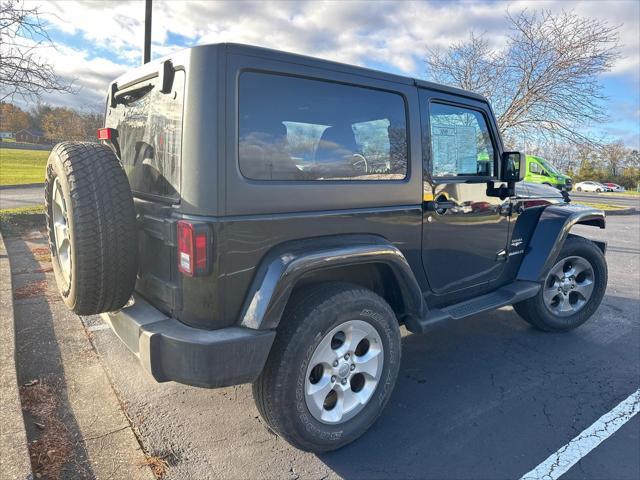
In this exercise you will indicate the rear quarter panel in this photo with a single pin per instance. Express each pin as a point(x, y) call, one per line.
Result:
point(259, 215)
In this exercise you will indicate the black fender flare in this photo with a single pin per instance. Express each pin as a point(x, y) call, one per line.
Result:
point(550, 233)
point(285, 265)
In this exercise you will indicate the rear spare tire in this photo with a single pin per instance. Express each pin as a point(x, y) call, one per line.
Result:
point(91, 224)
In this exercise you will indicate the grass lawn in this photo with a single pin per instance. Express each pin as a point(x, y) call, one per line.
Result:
point(22, 166)
point(21, 219)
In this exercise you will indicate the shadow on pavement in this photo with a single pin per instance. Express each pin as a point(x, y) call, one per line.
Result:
point(40, 367)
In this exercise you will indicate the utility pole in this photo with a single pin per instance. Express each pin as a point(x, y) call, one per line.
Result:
point(146, 54)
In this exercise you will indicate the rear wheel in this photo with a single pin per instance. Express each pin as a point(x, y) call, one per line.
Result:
point(598, 190)
point(332, 367)
point(91, 224)
point(579, 189)
point(572, 291)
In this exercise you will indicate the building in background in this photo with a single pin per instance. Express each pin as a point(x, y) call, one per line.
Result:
point(28, 135)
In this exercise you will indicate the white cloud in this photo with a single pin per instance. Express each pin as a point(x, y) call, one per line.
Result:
point(89, 76)
point(391, 35)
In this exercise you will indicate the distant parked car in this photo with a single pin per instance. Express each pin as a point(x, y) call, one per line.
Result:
point(591, 187)
point(614, 187)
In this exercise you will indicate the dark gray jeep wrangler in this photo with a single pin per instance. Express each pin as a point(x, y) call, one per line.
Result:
point(258, 216)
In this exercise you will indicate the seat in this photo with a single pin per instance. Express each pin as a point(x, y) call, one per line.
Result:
point(264, 154)
point(336, 143)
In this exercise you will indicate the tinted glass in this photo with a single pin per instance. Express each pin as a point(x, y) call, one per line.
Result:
point(149, 125)
point(299, 129)
point(460, 142)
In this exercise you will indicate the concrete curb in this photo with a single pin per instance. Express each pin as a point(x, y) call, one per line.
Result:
point(24, 185)
point(14, 453)
point(626, 211)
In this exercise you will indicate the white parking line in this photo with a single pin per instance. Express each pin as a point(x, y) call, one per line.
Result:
point(95, 328)
point(561, 461)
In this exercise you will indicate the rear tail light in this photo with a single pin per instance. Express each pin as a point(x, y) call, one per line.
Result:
point(106, 133)
point(193, 248)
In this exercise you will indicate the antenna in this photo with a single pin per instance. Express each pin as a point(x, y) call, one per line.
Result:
point(146, 54)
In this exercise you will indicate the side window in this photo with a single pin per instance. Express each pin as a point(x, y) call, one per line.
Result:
point(460, 142)
point(534, 168)
point(299, 129)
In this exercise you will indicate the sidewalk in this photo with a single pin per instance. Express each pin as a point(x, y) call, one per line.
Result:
point(74, 422)
point(14, 457)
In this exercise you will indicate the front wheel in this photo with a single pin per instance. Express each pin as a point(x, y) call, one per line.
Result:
point(579, 189)
point(572, 290)
point(598, 190)
point(332, 367)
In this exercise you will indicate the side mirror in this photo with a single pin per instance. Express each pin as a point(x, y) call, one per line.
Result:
point(513, 167)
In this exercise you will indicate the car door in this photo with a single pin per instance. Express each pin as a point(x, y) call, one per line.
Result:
point(464, 230)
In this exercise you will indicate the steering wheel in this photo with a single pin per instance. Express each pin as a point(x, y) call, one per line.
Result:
point(359, 163)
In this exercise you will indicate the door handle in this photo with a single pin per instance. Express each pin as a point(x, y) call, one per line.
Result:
point(437, 205)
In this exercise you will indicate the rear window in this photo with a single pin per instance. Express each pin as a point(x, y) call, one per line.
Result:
point(300, 129)
point(149, 125)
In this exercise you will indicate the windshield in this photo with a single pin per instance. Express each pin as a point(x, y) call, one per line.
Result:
point(149, 126)
point(548, 166)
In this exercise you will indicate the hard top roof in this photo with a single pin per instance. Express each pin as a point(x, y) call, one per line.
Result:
point(150, 68)
point(338, 66)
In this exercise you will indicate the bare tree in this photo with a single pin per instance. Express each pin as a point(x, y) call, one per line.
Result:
point(545, 82)
point(472, 65)
point(614, 156)
point(563, 155)
point(23, 71)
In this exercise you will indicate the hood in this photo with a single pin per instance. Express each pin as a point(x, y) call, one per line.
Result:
point(537, 190)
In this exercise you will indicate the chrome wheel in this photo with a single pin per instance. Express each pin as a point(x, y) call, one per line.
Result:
point(61, 240)
point(568, 286)
point(344, 371)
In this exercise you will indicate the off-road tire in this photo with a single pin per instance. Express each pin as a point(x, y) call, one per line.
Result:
point(279, 390)
point(535, 312)
point(101, 223)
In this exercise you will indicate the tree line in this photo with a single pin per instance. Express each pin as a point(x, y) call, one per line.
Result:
point(609, 162)
point(56, 123)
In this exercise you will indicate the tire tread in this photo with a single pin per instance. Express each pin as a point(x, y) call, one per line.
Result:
point(104, 233)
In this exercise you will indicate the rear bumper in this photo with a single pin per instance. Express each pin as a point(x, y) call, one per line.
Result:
point(172, 351)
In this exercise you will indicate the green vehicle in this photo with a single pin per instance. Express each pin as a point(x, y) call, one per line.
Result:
point(541, 171)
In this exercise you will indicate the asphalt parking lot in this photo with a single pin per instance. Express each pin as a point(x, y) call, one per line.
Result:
point(487, 397)
point(21, 196)
point(484, 398)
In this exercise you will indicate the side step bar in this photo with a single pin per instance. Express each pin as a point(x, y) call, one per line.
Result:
point(507, 295)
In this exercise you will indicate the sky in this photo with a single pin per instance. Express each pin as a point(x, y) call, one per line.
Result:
point(96, 41)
